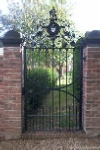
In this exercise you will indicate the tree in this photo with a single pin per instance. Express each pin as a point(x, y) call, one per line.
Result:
point(26, 17)
point(27, 14)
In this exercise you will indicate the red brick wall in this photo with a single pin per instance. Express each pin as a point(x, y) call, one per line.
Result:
point(91, 90)
point(1, 98)
point(10, 93)
point(10, 87)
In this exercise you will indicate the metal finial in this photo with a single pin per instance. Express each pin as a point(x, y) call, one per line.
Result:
point(53, 15)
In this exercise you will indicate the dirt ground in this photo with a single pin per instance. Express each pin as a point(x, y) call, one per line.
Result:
point(52, 141)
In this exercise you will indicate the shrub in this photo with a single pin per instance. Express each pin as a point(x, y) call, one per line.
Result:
point(39, 82)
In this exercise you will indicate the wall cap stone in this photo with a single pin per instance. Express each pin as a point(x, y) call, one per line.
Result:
point(92, 38)
point(92, 34)
point(12, 34)
point(11, 38)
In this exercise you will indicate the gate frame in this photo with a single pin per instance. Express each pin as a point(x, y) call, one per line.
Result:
point(81, 77)
point(53, 28)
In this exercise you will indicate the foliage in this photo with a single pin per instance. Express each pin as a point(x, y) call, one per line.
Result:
point(26, 15)
point(38, 84)
point(78, 68)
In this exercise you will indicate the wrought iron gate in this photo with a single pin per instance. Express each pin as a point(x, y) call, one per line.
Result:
point(53, 79)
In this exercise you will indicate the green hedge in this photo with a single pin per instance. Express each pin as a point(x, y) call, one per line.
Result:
point(77, 69)
point(40, 81)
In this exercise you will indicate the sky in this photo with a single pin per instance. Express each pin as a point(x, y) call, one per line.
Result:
point(86, 14)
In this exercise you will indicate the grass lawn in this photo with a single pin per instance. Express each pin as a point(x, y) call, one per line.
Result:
point(57, 111)
point(56, 97)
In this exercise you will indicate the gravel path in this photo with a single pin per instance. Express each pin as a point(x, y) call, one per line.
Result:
point(53, 142)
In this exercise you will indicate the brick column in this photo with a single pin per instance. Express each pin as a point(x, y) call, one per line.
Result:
point(10, 86)
point(91, 84)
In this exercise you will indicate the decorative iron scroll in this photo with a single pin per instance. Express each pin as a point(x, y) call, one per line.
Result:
point(53, 34)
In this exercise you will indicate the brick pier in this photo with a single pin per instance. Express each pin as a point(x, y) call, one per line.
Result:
point(91, 84)
point(10, 86)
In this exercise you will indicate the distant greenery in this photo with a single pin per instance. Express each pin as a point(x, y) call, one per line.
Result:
point(25, 16)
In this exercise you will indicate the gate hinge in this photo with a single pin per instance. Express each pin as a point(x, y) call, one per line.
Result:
point(84, 58)
point(23, 90)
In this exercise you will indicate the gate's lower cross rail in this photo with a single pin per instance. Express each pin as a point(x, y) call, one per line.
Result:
point(50, 115)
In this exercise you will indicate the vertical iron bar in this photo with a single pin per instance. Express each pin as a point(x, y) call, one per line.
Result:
point(69, 117)
point(30, 126)
point(56, 117)
point(36, 122)
point(53, 87)
point(46, 56)
point(73, 89)
point(39, 119)
point(32, 65)
point(32, 60)
point(59, 87)
point(25, 88)
point(37, 111)
point(81, 86)
point(66, 86)
point(46, 65)
point(33, 123)
point(50, 118)
point(46, 119)
point(39, 57)
point(43, 117)
point(62, 119)
point(76, 117)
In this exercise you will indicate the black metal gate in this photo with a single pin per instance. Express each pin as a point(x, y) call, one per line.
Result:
point(53, 79)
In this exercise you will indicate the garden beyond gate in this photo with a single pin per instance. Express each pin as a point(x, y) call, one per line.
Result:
point(52, 78)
